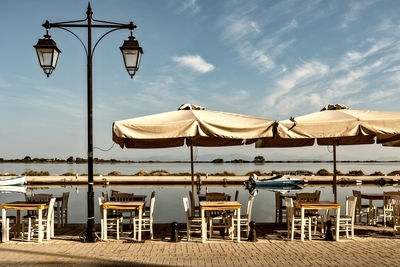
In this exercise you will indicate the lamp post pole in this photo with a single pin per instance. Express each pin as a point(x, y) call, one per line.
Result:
point(48, 55)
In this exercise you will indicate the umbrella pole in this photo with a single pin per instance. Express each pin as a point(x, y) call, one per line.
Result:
point(192, 172)
point(334, 173)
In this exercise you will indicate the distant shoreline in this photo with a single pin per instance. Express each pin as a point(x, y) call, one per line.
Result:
point(49, 161)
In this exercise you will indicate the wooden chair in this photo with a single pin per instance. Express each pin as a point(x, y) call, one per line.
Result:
point(31, 215)
point(125, 197)
point(195, 210)
point(396, 213)
point(13, 220)
point(192, 222)
point(313, 214)
point(361, 210)
point(236, 195)
point(46, 222)
point(245, 218)
point(292, 220)
point(347, 220)
point(222, 217)
point(113, 223)
point(386, 211)
point(147, 218)
point(64, 210)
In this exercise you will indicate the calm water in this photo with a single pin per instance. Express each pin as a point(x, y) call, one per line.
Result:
point(169, 205)
point(240, 169)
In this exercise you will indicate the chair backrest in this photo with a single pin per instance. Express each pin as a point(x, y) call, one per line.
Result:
point(123, 197)
point(64, 205)
point(289, 207)
point(396, 206)
point(186, 207)
point(152, 201)
point(278, 200)
point(50, 210)
point(105, 196)
point(249, 207)
point(357, 194)
point(318, 193)
point(236, 195)
point(191, 198)
point(101, 201)
point(37, 198)
point(350, 206)
point(215, 197)
point(114, 191)
point(387, 198)
point(307, 197)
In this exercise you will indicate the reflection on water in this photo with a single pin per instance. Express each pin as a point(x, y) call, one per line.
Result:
point(169, 205)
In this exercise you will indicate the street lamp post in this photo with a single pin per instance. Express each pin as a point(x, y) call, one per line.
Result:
point(48, 53)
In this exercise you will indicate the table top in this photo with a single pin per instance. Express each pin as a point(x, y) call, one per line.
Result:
point(317, 205)
point(372, 196)
point(23, 205)
point(123, 205)
point(220, 205)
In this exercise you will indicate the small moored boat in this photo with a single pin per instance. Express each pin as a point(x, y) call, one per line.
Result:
point(280, 181)
point(18, 180)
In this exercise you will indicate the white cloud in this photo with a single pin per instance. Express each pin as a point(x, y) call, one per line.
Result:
point(303, 74)
point(355, 8)
point(191, 5)
point(194, 62)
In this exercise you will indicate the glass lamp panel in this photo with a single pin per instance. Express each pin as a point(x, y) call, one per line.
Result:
point(130, 58)
point(45, 56)
point(55, 58)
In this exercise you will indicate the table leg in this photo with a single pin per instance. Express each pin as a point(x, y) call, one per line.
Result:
point(58, 214)
point(40, 224)
point(238, 225)
point(140, 225)
point(203, 227)
point(302, 225)
point(370, 213)
point(52, 225)
point(105, 224)
point(337, 223)
point(4, 229)
point(18, 223)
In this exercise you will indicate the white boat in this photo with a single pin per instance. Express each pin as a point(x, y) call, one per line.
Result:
point(279, 181)
point(19, 180)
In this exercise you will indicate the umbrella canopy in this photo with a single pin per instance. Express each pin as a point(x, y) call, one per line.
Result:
point(193, 124)
point(199, 127)
point(336, 125)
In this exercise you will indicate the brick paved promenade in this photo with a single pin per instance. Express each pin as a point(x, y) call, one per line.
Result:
point(374, 246)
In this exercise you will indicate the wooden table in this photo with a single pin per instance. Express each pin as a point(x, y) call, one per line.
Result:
point(23, 205)
point(317, 205)
point(128, 205)
point(371, 197)
point(220, 206)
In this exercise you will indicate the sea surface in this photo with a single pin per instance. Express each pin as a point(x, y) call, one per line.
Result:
point(169, 204)
point(237, 168)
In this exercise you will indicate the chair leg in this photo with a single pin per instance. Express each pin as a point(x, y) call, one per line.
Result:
point(292, 230)
point(188, 230)
point(101, 229)
point(117, 224)
point(309, 228)
point(151, 230)
point(29, 228)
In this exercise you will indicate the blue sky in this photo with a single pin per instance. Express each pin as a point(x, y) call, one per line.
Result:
point(271, 59)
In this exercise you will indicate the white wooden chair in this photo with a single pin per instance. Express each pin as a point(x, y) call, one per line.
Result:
point(386, 211)
point(31, 215)
point(245, 218)
point(113, 223)
point(191, 222)
point(147, 218)
point(46, 223)
point(346, 221)
point(396, 213)
point(293, 221)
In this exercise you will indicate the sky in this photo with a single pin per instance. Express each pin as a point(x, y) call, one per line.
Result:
point(271, 59)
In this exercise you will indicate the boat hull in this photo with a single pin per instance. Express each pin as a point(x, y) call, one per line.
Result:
point(19, 180)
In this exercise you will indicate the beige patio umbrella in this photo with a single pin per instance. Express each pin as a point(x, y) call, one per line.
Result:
point(337, 125)
point(193, 124)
